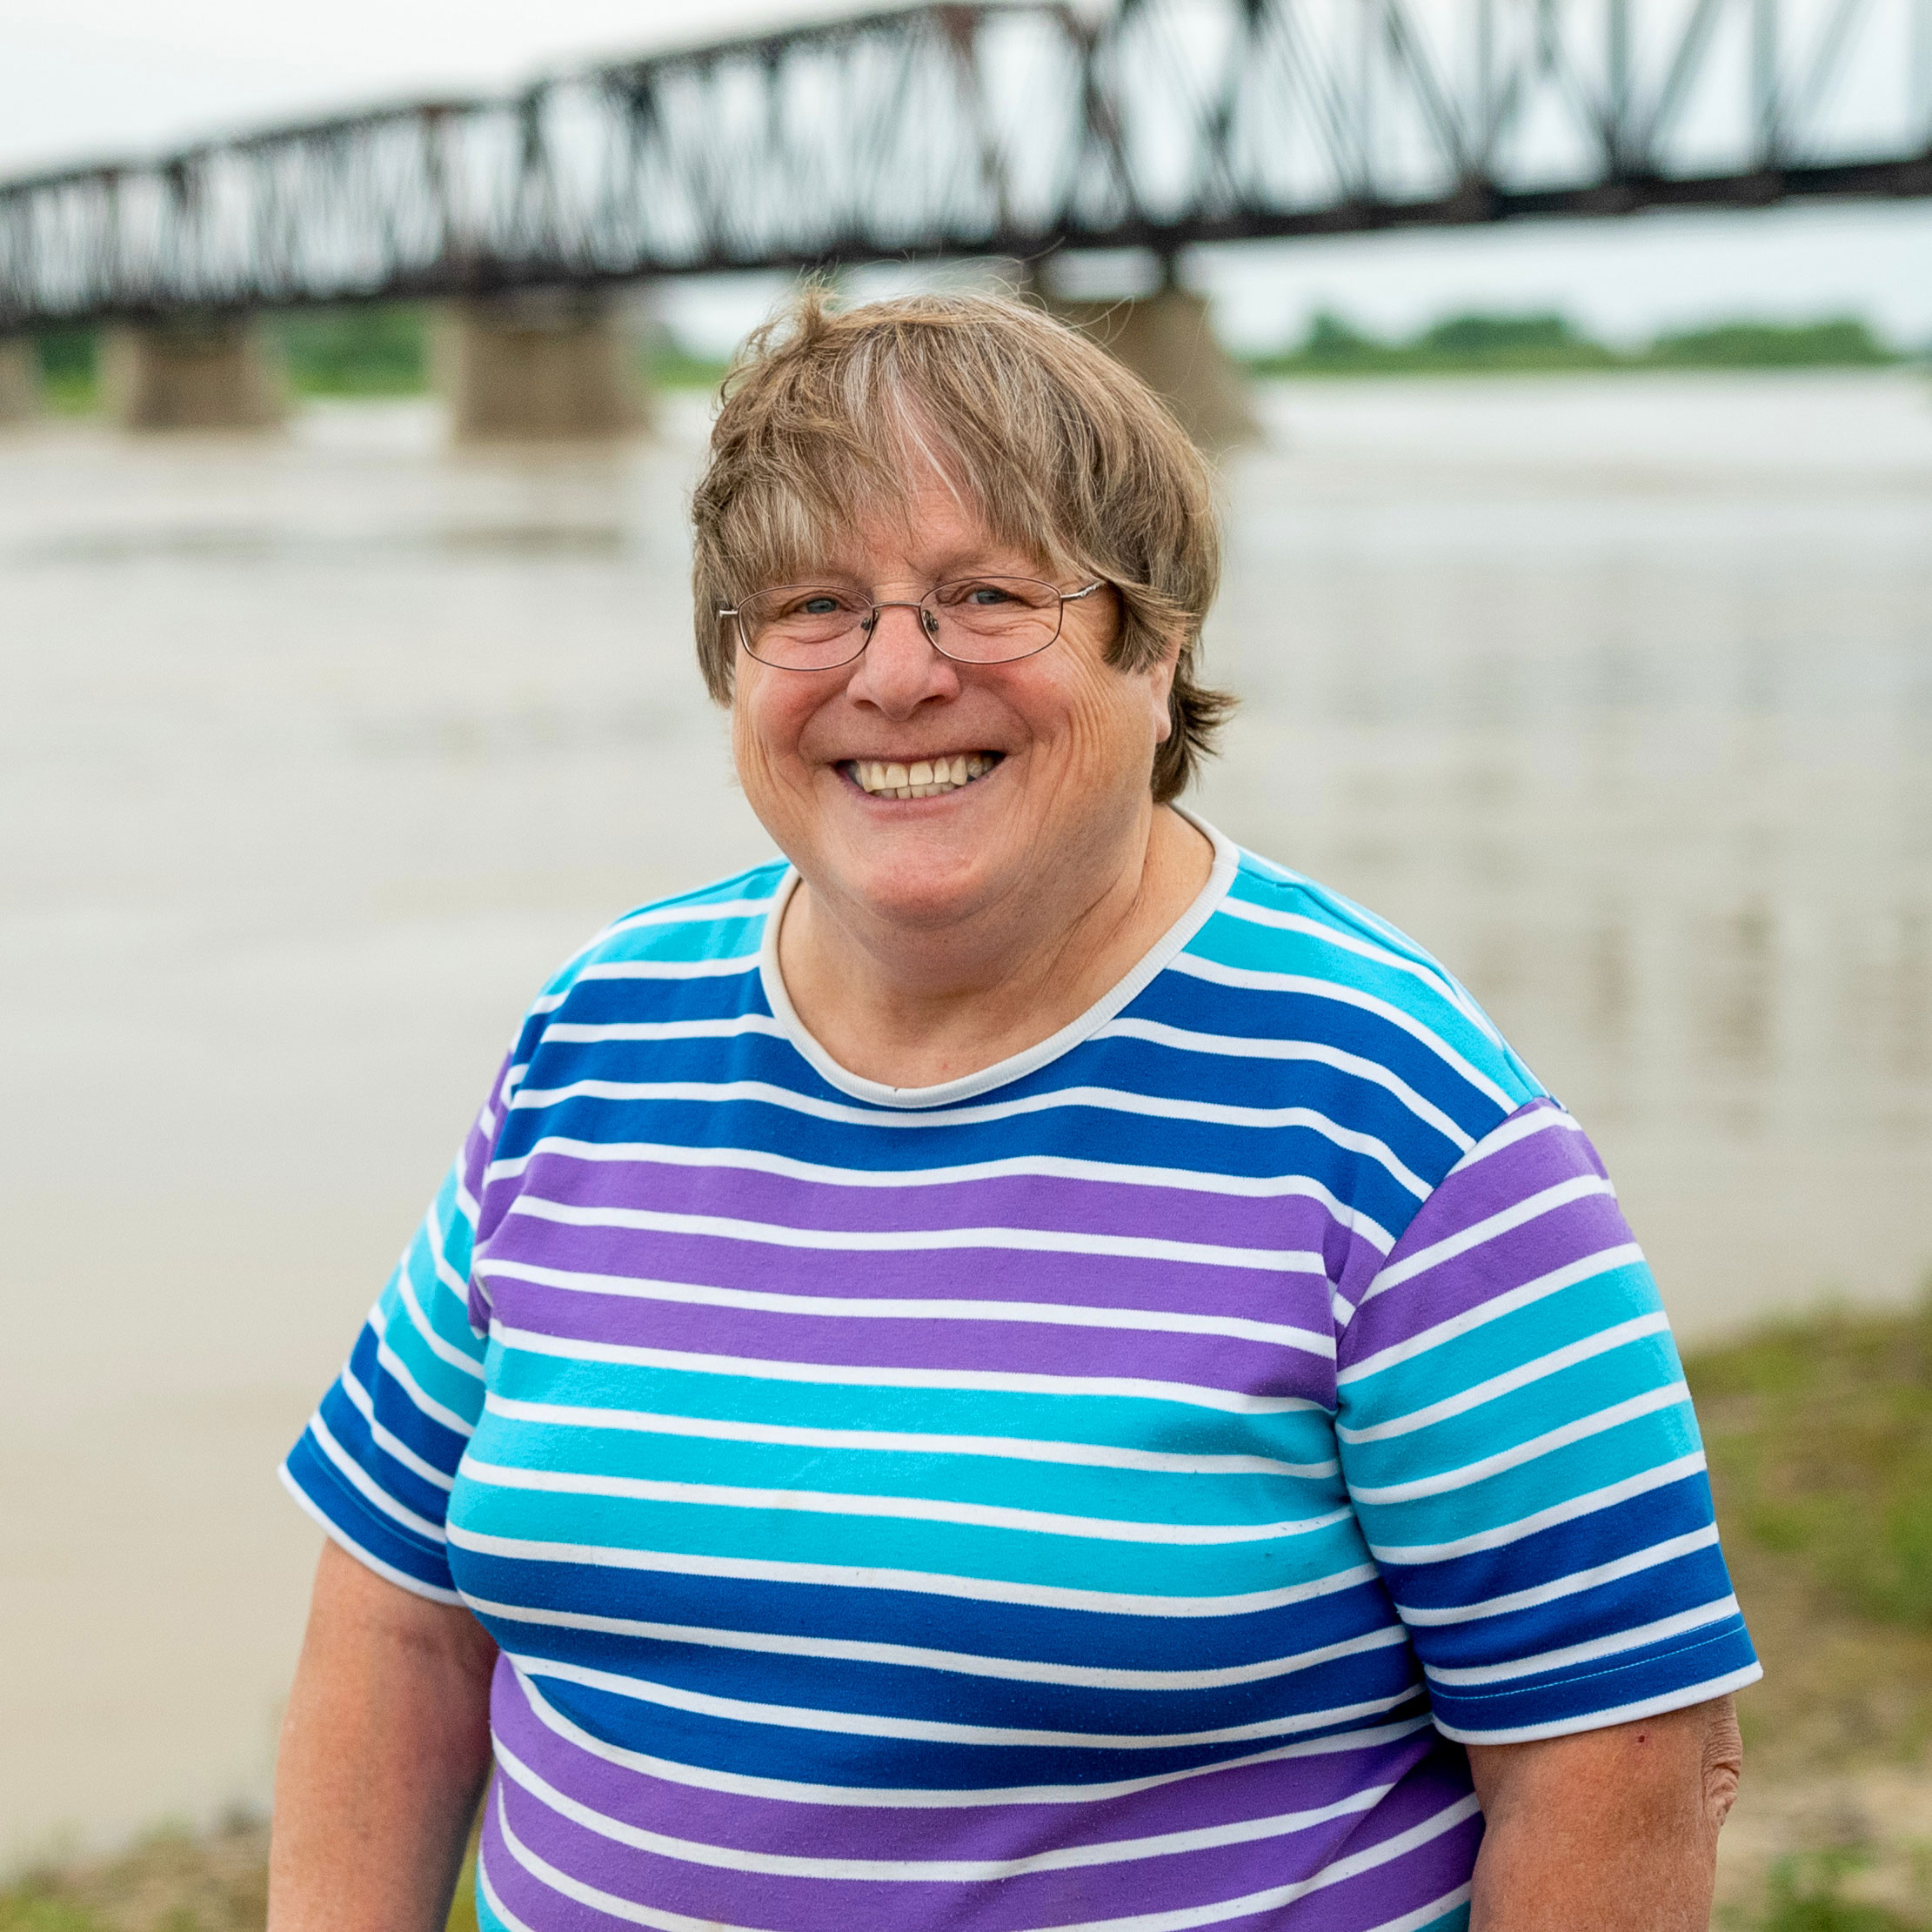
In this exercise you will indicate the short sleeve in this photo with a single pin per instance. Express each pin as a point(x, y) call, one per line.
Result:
point(376, 1462)
point(1520, 1448)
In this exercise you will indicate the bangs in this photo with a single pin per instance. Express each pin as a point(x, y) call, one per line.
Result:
point(821, 466)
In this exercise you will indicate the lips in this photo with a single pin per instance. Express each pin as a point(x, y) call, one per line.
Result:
point(920, 777)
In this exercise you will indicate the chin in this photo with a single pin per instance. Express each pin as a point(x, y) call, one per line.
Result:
point(919, 882)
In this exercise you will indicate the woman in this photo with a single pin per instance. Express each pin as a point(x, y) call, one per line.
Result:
point(1025, 1369)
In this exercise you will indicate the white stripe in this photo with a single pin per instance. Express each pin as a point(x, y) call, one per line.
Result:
point(933, 1871)
point(366, 1485)
point(686, 913)
point(405, 1290)
point(951, 1798)
point(389, 1443)
point(1437, 981)
point(1573, 1585)
point(1537, 1116)
point(1056, 1314)
point(1635, 1639)
point(1056, 1166)
point(1426, 1916)
point(668, 969)
point(1587, 1505)
point(1012, 1448)
point(1111, 1099)
point(1601, 1720)
point(400, 1373)
point(739, 1711)
point(1048, 1240)
point(1230, 1402)
point(1214, 972)
point(509, 1919)
point(1183, 1920)
point(1241, 1047)
point(1022, 1671)
point(972, 1589)
point(1544, 1366)
point(1334, 1873)
point(1532, 1208)
point(1586, 1267)
point(573, 1032)
point(1671, 1396)
point(917, 1509)
point(337, 1535)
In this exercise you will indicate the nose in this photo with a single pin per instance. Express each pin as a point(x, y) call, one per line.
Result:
point(900, 669)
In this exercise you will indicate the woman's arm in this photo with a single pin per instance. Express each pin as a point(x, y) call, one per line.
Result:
point(383, 1755)
point(1612, 1830)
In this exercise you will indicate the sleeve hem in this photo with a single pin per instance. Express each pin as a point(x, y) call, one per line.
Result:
point(337, 1535)
point(1679, 1699)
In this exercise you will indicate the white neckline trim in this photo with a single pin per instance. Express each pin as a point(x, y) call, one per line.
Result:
point(1227, 861)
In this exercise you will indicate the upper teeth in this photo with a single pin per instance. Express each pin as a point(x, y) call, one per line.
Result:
point(925, 778)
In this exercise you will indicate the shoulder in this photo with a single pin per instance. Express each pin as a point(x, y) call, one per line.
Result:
point(713, 930)
point(1288, 957)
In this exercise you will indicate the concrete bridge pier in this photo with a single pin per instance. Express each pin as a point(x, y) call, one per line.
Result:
point(1167, 339)
point(541, 366)
point(19, 379)
point(201, 372)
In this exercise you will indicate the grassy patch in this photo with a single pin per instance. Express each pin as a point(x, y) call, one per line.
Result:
point(1820, 1438)
point(1483, 343)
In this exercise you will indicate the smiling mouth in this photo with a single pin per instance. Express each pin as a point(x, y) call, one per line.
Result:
point(921, 777)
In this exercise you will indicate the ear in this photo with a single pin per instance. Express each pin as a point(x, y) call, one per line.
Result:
point(1160, 685)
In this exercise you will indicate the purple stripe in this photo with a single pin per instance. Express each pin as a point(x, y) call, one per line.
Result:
point(1160, 1882)
point(998, 1347)
point(1553, 1239)
point(1242, 1791)
point(1073, 1205)
point(993, 1272)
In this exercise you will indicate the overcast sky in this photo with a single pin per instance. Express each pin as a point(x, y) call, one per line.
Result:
point(87, 79)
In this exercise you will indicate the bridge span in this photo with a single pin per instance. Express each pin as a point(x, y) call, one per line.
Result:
point(1018, 129)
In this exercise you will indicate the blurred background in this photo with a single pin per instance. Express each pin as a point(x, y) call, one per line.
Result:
point(1569, 366)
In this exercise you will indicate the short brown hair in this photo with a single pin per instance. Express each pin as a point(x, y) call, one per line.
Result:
point(827, 415)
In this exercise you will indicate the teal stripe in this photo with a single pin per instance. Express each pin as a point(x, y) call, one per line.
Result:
point(1595, 1463)
point(442, 1381)
point(1127, 1422)
point(1130, 1495)
point(1585, 1388)
point(930, 1548)
point(1236, 942)
point(1553, 1321)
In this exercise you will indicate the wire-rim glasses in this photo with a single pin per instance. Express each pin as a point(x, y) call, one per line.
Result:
point(970, 619)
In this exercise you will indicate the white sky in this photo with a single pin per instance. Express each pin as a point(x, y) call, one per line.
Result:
point(87, 79)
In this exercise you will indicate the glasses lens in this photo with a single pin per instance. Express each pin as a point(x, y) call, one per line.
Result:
point(988, 620)
point(803, 627)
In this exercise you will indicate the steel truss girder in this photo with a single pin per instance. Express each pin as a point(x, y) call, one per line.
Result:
point(1015, 129)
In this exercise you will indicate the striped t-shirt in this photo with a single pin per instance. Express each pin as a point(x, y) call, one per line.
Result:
point(1099, 1492)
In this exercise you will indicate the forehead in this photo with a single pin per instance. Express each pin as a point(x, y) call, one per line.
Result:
point(934, 530)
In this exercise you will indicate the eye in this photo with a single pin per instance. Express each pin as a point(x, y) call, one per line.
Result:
point(822, 604)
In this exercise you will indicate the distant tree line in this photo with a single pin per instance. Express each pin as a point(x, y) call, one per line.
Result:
point(1477, 344)
point(383, 349)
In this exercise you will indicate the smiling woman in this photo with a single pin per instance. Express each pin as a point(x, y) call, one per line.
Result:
point(1019, 1367)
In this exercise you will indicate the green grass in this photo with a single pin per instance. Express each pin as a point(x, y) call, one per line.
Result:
point(1546, 343)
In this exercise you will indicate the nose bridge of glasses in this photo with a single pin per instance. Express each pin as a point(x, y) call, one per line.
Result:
point(926, 615)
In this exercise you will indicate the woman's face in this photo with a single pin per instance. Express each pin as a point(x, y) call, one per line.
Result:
point(1068, 740)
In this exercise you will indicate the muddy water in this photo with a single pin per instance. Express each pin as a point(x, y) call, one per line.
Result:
point(315, 756)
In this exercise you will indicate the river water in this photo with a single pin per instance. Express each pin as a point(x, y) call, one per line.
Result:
point(316, 755)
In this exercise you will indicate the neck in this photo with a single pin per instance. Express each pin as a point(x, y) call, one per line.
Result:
point(914, 1006)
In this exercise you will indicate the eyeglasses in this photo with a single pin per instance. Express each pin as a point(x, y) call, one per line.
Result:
point(971, 620)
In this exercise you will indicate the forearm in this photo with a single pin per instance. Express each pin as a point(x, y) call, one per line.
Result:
point(383, 1755)
point(1612, 1830)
